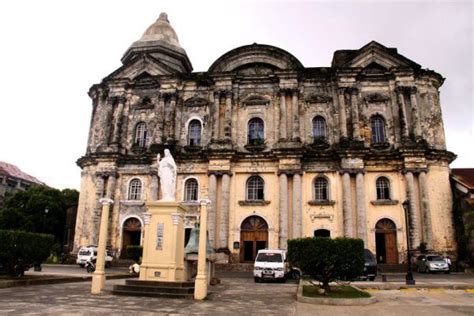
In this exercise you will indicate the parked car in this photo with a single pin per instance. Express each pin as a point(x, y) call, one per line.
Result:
point(89, 253)
point(370, 265)
point(270, 264)
point(431, 263)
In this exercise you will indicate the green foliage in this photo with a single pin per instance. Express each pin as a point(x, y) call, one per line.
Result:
point(327, 259)
point(26, 210)
point(22, 248)
point(343, 291)
point(134, 252)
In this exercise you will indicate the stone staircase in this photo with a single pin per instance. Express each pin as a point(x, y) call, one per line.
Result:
point(155, 289)
point(234, 267)
point(392, 268)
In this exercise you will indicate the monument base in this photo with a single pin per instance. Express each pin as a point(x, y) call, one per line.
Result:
point(163, 246)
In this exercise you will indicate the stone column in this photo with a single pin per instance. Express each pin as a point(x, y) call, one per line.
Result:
point(414, 233)
point(172, 117)
point(100, 190)
point(177, 121)
point(228, 115)
point(347, 205)
point(425, 210)
point(159, 133)
point(402, 112)
point(118, 120)
point(211, 218)
point(200, 289)
point(98, 279)
point(296, 115)
point(342, 112)
point(415, 116)
point(283, 125)
point(297, 222)
point(224, 218)
point(355, 113)
point(283, 206)
point(215, 130)
point(106, 121)
point(154, 187)
point(361, 212)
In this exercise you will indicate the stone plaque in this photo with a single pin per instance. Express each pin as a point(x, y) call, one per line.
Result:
point(159, 236)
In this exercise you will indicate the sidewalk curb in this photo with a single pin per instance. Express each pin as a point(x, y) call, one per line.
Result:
point(58, 280)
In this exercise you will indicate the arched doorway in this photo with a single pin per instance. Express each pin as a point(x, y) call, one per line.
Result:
point(131, 234)
point(386, 241)
point(322, 233)
point(253, 237)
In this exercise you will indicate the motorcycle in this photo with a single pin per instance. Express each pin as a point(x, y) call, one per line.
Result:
point(90, 265)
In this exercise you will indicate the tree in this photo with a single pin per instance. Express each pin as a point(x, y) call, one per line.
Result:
point(39, 209)
point(326, 259)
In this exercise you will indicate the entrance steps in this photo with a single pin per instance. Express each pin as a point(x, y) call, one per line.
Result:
point(234, 267)
point(391, 268)
point(155, 289)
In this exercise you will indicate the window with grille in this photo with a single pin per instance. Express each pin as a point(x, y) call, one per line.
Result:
point(255, 132)
point(378, 129)
point(191, 190)
point(319, 128)
point(140, 134)
point(194, 133)
point(321, 189)
point(255, 186)
point(135, 190)
point(383, 189)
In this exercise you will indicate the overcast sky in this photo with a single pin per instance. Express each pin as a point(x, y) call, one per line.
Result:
point(53, 51)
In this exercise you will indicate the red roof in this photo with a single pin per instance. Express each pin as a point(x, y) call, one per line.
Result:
point(13, 171)
point(465, 176)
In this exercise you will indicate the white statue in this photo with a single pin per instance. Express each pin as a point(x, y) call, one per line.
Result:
point(167, 174)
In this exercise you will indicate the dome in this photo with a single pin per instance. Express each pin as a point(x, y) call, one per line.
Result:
point(160, 42)
point(161, 30)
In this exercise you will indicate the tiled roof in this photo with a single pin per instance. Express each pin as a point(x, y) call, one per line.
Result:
point(465, 176)
point(13, 171)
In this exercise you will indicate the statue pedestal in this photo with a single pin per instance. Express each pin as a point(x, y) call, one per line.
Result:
point(163, 245)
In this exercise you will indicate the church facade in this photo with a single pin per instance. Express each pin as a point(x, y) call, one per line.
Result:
point(281, 150)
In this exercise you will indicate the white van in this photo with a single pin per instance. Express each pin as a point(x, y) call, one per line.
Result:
point(87, 253)
point(270, 264)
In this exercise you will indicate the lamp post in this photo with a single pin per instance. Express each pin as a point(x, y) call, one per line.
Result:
point(46, 211)
point(409, 277)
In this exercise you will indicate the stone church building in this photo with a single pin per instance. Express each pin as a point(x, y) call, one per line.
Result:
point(280, 149)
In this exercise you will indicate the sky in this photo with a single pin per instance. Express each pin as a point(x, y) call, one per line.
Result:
point(53, 51)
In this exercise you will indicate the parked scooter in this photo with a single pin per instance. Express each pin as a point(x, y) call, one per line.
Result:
point(90, 265)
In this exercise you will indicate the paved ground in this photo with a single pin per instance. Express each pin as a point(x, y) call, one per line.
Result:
point(237, 295)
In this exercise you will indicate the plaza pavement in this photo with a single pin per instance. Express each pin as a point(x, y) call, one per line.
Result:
point(239, 295)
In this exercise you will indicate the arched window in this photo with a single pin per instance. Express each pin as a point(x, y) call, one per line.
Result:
point(135, 190)
point(321, 189)
point(378, 129)
point(140, 135)
point(255, 132)
point(319, 128)
point(383, 188)
point(194, 133)
point(255, 186)
point(191, 190)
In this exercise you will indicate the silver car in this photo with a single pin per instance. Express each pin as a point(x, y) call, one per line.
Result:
point(431, 263)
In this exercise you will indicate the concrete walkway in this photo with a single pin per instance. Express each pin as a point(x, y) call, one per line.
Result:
point(235, 296)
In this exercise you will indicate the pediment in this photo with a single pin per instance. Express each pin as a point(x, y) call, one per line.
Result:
point(196, 101)
point(318, 98)
point(376, 54)
point(242, 57)
point(255, 99)
point(141, 67)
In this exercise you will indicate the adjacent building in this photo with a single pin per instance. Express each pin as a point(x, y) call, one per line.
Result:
point(12, 180)
point(282, 150)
